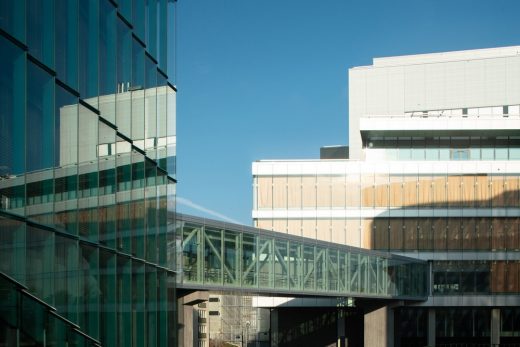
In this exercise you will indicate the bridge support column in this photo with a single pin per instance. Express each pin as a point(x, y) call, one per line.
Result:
point(495, 327)
point(340, 327)
point(274, 328)
point(431, 327)
point(379, 327)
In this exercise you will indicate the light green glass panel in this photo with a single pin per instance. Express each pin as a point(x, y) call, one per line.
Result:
point(281, 264)
point(265, 262)
point(192, 253)
point(295, 266)
point(309, 269)
point(321, 268)
point(249, 260)
point(213, 256)
point(332, 270)
point(231, 259)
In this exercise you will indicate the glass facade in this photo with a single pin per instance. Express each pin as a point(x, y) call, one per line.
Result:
point(87, 171)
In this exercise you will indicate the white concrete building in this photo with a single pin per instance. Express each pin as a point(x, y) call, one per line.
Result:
point(433, 172)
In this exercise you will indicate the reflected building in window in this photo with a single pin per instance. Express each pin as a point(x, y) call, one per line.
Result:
point(87, 172)
point(434, 173)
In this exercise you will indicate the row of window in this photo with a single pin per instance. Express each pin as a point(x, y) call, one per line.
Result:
point(443, 148)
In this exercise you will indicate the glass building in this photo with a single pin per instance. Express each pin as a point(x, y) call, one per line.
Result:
point(87, 172)
point(433, 173)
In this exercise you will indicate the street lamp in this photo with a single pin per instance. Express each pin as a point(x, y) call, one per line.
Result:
point(248, 323)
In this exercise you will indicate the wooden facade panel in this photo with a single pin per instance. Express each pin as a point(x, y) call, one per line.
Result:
point(367, 227)
point(280, 225)
point(294, 227)
point(380, 238)
point(512, 234)
point(367, 190)
point(338, 231)
point(353, 193)
point(323, 230)
point(264, 192)
point(381, 191)
point(511, 191)
point(309, 192)
point(469, 241)
point(280, 192)
point(424, 191)
point(498, 233)
point(410, 190)
point(512, 285)
point(338, 191)
point(266, 224)
point(410, 233)
point(454, 191)
point(482, 233)
point(396, 191)
point(482, 191)
point(453, 234)
point(439, 191)
point(498, 277)
point(309, 228)
point(353, 237)
point(424, 234)
point(468, 191)
point(439, 233)
point(497, 191)
point(323, 192)
point(395, 233)
point(294, 192)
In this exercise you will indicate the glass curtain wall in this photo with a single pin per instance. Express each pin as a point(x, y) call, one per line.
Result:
point(87, 180)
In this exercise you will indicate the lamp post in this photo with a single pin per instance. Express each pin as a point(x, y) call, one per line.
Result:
point(247, 331)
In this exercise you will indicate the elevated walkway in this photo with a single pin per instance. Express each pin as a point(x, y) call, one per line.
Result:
point(216, 255)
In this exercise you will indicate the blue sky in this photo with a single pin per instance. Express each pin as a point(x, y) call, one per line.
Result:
point(268, 79)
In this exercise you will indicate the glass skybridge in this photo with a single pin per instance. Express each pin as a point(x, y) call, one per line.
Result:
point(222, 256)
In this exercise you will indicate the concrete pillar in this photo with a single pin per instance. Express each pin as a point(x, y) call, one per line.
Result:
point(495, 326)
point(340, 328)
point(187, 328)
point(274, 328)
point(431, 327)
point(379, 328)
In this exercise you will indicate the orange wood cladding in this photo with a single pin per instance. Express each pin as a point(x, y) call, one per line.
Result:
point(379, 191)
point(445, 234)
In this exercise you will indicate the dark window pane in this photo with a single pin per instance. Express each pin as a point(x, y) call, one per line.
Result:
point(40, 119)
point(40, 30)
